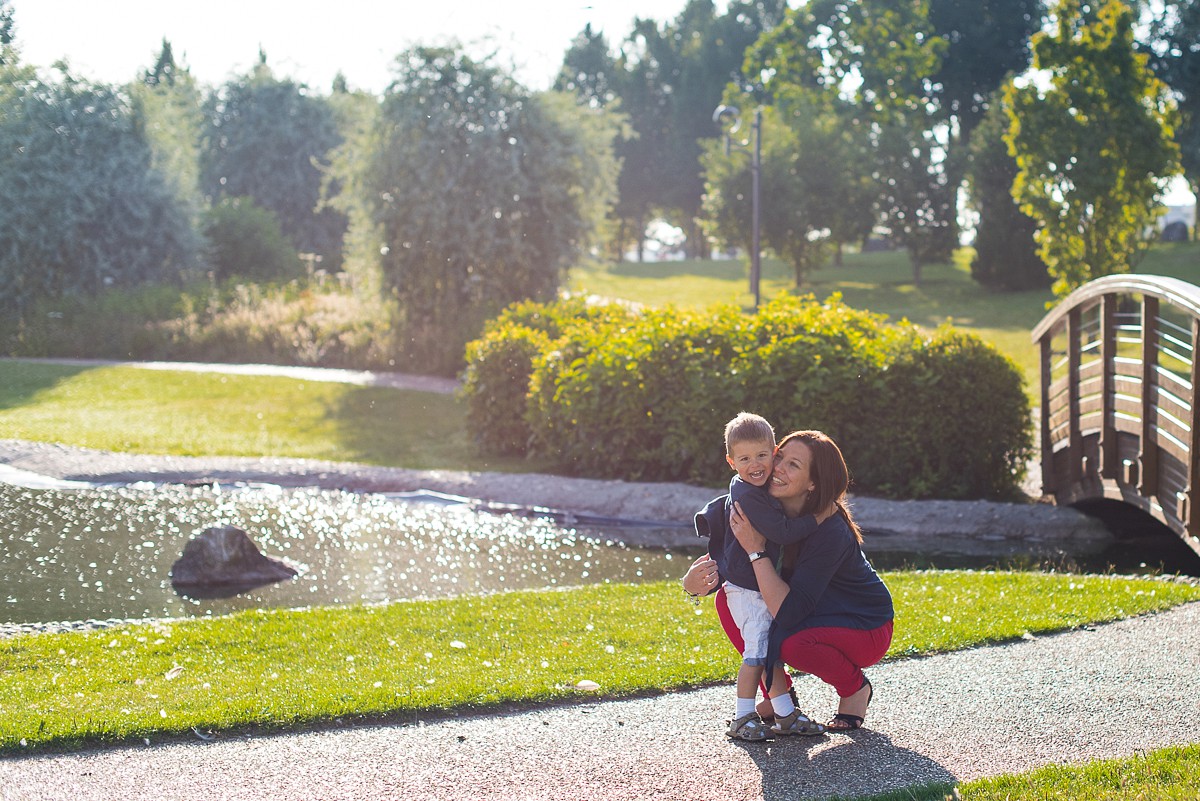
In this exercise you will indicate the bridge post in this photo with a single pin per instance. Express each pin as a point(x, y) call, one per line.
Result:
point(1191, 522)
point(1108, 359)
point(1074, 436)
point(1147, 443)
point(1049, 485)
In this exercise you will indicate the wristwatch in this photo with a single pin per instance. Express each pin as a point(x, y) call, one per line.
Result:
point(754, 557)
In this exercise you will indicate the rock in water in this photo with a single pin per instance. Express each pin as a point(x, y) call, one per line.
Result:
point(226, 556)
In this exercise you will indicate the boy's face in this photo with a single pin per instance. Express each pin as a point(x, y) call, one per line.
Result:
point(753, 461)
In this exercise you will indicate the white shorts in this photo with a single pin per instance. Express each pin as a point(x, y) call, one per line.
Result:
point(753, 620)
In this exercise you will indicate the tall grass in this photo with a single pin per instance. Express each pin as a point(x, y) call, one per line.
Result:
point(318, 321)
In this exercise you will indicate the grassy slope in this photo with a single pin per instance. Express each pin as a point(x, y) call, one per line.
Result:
point(880, 282)
point(206, 414)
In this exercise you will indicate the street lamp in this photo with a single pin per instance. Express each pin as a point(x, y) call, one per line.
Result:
point(731, 113)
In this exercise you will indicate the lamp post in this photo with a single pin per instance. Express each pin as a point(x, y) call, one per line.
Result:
point(720, 115)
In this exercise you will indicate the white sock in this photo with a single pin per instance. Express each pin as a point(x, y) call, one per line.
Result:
point(744, 707)
point(783, 705)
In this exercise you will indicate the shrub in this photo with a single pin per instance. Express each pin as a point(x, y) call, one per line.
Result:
point(300, 322)
point(636, 400)
point(308, 322)
point(956, 422)
point(246, 241)
point(495, 382)
point(646, 397)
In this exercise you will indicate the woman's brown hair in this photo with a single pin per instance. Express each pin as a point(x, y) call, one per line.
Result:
point(829, 475)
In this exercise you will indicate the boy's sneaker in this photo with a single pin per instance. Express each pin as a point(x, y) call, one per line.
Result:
point(749, 727)
point(797, 723)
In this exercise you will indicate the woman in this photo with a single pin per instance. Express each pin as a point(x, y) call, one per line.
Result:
point(833, 614)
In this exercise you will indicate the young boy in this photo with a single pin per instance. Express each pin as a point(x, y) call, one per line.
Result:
point(750, 451)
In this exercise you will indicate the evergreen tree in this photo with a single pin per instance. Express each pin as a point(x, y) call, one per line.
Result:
point(1005, 251)
point(269, 139)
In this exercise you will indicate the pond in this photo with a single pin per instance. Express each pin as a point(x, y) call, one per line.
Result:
point(106, 553)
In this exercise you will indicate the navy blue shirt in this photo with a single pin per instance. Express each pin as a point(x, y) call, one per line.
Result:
point(832, 584)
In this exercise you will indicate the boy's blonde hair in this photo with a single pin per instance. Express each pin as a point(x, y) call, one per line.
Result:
point(747, 427)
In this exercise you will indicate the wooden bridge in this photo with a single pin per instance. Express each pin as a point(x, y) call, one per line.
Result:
point(1119, 397)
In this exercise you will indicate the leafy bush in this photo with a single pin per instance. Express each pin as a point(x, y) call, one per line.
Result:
point(495, 381)
point(299, 322)
point(645, 397)
point(114, 324)
point(958, 422)
point(637, 400)
point(246, 241)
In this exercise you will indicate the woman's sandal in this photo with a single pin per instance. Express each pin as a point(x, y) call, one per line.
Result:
point(748, 727)
point(844, 721)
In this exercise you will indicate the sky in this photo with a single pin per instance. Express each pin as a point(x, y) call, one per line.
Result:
point(112, 41)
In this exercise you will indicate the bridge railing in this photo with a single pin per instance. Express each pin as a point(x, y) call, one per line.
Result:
point(1119, 372)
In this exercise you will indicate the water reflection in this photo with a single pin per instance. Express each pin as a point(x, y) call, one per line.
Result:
point(107, 553)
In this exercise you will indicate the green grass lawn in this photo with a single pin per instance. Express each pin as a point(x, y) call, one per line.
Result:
point(879, 282)
point(206, 414)
point(281, 669)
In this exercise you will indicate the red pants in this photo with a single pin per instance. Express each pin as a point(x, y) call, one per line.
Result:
point(834, 655)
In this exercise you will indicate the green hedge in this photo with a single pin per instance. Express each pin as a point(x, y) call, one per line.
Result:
point(645, 396)
point(495, 382)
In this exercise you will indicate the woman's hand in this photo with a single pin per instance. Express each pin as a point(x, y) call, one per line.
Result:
point(702, 576)
point(747, 535)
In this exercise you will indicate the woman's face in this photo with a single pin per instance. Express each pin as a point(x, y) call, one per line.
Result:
point(792, 480)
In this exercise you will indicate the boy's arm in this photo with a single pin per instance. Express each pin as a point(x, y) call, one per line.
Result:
point(772, 523)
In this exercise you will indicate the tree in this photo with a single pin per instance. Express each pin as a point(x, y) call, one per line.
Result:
point(589, 69)
point(878, 53)
point(1174, 30)
point(1094, 148)
point(7, 33)
point(704, 53)
point(812, 183)
point(668, 78)
point(985, 42)
point(82, 207)
point(167, 109)
point(1005, 251)
point(478, 194)
point(269, 139)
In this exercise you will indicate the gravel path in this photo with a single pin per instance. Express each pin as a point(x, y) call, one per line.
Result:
point(1074, 697)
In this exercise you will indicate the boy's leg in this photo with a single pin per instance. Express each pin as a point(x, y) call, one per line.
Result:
point(748, 679)
point(781, 699)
